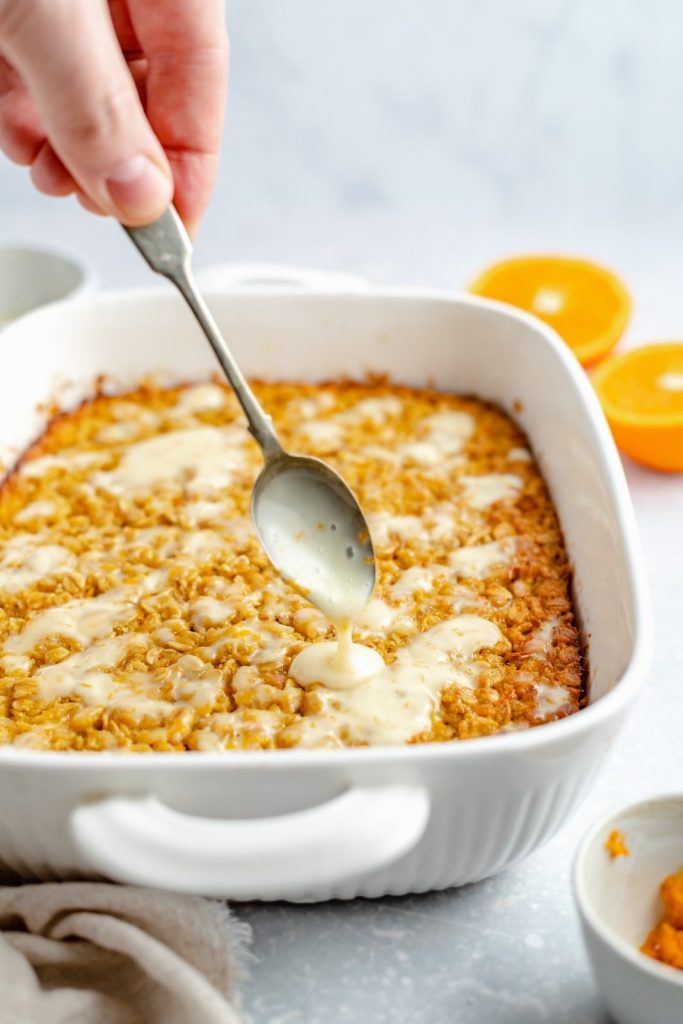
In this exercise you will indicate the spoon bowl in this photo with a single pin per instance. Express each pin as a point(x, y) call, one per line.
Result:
point(314, 532)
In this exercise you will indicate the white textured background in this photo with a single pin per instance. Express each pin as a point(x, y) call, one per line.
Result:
point(414, 141)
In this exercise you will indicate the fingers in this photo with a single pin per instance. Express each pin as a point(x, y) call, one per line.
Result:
point(186, 48)
point(22, 136)
point(21, 131)
point(128, 41)
point(68, 56)
point(88, 204)
point(49, 174)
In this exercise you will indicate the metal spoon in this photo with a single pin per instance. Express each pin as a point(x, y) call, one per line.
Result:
point(306, 518)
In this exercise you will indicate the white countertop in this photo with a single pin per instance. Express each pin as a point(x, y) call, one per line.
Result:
point(414, 143)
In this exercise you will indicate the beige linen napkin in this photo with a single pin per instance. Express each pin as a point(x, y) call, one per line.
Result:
point(95, 953)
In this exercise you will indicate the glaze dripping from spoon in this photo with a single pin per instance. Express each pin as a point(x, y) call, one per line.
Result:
point(306, 517)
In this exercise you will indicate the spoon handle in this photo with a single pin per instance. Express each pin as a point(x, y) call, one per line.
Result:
point(166, 247)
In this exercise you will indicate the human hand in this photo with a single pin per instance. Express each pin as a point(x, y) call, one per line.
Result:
point(121, 103)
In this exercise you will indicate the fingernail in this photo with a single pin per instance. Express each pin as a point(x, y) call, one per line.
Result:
point(139, 189)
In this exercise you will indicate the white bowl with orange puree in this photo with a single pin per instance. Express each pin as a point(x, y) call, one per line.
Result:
point(617, 886)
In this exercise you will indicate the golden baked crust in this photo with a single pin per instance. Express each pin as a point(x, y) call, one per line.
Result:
point(174, 632)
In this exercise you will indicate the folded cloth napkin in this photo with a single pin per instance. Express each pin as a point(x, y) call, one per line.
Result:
point(95, 953)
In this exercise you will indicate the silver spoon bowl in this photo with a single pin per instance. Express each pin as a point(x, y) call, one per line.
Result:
point(306, 517)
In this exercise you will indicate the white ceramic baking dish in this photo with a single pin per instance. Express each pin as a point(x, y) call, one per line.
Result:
point(619, 904)
point(310, 825)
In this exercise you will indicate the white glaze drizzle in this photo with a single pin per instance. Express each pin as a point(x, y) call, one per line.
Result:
point(199, 512)
point(376, 616)
point(201, 398)
point(483, 491)
point(25, 561)
point(84, 672)
point(329, 432)
point(384, 526)
point(35, 510)
point(444, 435)
point(328, 435)
point(339, 664)
point(478, 561)
point(67, 460)
point(200, 459)
point(15, 663)
point(398, 703)
point(85, 619)
point(551, 699)
point(417, 579)
point(519, 455)
point(210, 611)
point(119, 433)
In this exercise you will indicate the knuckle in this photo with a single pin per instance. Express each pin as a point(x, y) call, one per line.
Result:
point(17, 142)
point(13, 18)
point(22, 20)
point(15, 149)
point(98, 124)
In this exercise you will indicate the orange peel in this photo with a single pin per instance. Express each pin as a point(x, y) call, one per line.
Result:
point(641, 393)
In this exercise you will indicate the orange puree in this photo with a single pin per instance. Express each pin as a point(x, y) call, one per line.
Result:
point(665, 941)
point(616, 845)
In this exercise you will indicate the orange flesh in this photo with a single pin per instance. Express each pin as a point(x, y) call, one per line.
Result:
point(646, 382)
point(641, 392)
point(585, 303)
point(616, 845)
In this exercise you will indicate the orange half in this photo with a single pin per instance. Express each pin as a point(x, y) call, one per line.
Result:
point(641, 393)
point(585, 303)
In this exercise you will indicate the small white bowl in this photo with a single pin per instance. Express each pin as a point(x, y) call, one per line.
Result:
point(30, 278)
point(619, 904)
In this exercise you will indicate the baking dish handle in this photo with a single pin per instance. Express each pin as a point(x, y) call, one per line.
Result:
point(226, 276)
point(139, 840)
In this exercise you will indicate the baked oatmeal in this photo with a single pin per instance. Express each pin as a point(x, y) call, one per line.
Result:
point(140, 612)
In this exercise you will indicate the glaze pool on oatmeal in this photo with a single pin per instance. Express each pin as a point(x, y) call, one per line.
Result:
point(139, 611)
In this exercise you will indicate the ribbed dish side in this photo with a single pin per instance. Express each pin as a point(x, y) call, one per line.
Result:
point(476, 842)
point(467, 839)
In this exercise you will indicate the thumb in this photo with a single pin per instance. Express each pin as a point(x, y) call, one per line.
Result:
point(70, 60)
